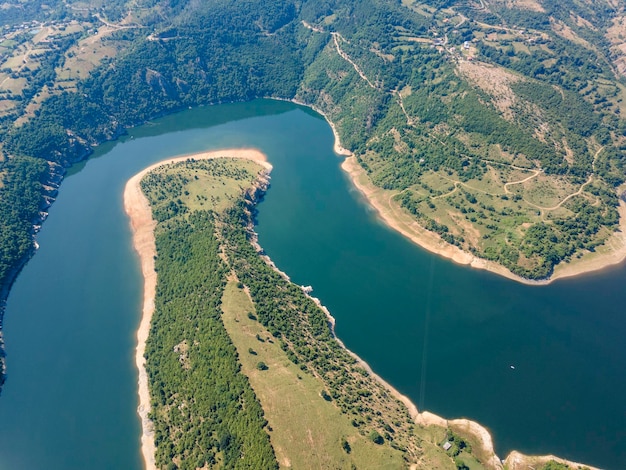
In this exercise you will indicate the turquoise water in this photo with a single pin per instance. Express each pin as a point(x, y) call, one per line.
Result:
point(443, 334)
point(70, 398)
point(446, 335)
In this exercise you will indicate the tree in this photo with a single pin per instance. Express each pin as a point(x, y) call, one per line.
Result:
point(345, 445)
point(376, 438)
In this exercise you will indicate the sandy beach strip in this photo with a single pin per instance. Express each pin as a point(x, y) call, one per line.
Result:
point(142, 225)
point(394, 216)
point(614, 251)
point(408, 227)
point(139, 212)
point(518, 461)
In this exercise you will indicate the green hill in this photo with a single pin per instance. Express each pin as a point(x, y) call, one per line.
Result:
point(452, 107)
point(495, 125)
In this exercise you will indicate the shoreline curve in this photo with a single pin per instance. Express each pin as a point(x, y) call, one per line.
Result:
point(399, 220)
point(142, 226)
point(423, 418)
point(431, 242)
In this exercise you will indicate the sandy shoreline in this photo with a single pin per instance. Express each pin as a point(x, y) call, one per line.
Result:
point(401, 221)
point(395, 217)
point(138, 210)
point(398, 219)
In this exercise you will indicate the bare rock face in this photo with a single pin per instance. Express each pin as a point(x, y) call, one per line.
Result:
point(257, 191)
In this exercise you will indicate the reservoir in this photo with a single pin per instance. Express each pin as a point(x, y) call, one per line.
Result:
point(444, 335)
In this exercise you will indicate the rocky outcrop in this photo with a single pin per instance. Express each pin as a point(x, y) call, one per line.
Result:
point(255, 193)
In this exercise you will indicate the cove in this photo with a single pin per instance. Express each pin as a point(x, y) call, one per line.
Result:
point(443, 334)
point(447, 335)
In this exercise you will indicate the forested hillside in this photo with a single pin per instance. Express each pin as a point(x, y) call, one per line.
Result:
point(497, 124)
point(210, 412)
point(203, 409)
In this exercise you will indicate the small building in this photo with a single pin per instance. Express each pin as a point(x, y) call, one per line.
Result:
point(447, 446)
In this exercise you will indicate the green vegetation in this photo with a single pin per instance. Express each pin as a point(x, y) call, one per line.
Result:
point(21, 195)
point(231, 337)
point(440, 91)
point(554, 465)
point(307, 429)
point(203, 408)
point(458, 443)
point(446, 118)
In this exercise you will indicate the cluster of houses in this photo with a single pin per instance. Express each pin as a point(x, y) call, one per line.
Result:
point(8, 30)
point(442, 43)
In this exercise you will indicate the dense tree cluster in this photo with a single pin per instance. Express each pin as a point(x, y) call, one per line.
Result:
point(203, 408)
point(20, 199)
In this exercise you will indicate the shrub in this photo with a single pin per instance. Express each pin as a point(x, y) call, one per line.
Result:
point(345, 445)
point(376, 438)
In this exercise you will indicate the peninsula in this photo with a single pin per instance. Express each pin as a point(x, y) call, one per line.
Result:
point(139, 212)
point(490, 132)
point(276, 361)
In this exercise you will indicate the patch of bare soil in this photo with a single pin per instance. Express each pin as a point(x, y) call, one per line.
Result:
point(532, 5)
point(566, 32)
point(493, 80)
point(517, 461)
point(616, 34)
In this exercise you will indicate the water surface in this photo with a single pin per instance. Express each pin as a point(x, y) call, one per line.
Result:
point(443, 334)
point(70, 398)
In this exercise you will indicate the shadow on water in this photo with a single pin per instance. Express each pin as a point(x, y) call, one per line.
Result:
point(195, 118)
point(211, 116)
